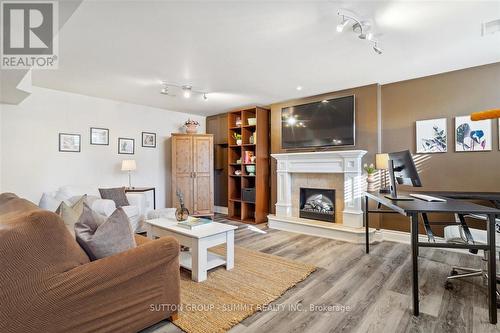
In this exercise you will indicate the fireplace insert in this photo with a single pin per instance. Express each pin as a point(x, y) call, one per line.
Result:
point(317, 204)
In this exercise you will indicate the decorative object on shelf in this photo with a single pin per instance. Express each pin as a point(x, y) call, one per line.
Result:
point(247, 157)
point(250, 170)
point(129, 166)
point(472, 135)
point(252, 121)
point(69, 142)
point(250, 140)
point(126, 146)
point(237, 172)
point(238, 161)
point(149, 140)
point(370, 179)
point(431, 136)
point(238, 139)
point(181, 213)
point(99, 136)
point(254, 136)
point(253, 159)
point(191, 126)
point(382, 164)
point(238, 122)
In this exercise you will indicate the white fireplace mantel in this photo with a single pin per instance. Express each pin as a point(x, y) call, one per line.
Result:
point(347, 162)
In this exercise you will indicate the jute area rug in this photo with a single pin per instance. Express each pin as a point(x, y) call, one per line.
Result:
point(228, 297)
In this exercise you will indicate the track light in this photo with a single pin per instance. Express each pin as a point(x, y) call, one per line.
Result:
point(341, 26)
point(376, 48)
point(186, 90)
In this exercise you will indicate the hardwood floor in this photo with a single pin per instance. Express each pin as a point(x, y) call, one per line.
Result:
point(366, 293)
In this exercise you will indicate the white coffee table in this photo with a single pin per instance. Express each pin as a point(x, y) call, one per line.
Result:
point(198, 260)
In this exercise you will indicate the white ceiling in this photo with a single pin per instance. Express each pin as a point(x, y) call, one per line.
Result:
point(258, 52)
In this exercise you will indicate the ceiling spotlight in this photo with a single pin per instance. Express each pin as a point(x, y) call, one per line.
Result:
point(186, 91)
point(369, 36)
point(164, 91)
point(376, 48)
point(341, 25)
point(299, 88)
point(205, 98)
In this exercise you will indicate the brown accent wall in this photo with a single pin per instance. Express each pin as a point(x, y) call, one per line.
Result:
point(366, 125)
point(445, 95)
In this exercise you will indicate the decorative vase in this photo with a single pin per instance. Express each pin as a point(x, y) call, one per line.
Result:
point(250, 170)
point(182, 213)
point(370, 180)
point(239, 142)
point(191, 128)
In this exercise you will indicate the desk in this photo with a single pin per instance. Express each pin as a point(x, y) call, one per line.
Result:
point(413, 208)
point(142, 190)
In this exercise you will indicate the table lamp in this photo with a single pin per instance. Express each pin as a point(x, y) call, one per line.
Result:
point(382, 163)
point(129, 165)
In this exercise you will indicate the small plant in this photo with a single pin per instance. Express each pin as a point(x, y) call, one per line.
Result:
point(237, 136)
point(180, 196)
point(370, 169)
point(191, 122)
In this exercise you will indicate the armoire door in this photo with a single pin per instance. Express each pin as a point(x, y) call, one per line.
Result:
point(182, 170)
point(203, 164)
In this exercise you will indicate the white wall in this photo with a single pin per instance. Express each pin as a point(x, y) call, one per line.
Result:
point(31, 164)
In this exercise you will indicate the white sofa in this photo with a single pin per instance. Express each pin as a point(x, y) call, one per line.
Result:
point(69, 194)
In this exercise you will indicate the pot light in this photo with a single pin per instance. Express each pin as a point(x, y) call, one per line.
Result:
point(376, 48)
point(299, 88)
point(205, 98)
point(341, 25)
point(186, 91)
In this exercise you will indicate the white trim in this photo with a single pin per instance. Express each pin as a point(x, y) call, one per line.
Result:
point(221, 210)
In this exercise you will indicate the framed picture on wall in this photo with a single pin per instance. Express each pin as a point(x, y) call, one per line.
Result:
point(472, 135)
point(69, 142)
point(431, 136)
point(99, 136)
point(149, 140)
point(126, 146)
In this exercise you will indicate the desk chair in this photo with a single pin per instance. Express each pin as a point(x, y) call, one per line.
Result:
point(461, 234)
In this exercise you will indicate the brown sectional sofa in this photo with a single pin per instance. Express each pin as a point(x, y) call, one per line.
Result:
point(48, 284)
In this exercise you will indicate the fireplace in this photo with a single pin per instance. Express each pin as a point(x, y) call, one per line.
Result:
point(317, 204)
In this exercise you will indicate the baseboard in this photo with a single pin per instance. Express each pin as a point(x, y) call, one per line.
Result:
point(220, 210)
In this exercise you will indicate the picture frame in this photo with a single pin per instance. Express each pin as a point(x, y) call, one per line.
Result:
point(431, 136)
point(99, 136)
point(126, 146)
point(148, 139)
point(69, 142)
point(472, 136)
point(498, 134)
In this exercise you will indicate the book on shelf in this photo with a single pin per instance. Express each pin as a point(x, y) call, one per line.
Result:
point(193, 223)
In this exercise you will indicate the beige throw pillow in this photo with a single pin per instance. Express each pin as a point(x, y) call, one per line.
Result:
point(102, 237)
point(70, 215)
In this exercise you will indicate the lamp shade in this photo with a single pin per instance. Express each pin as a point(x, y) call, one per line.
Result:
point(382, 161)
point(128, 165)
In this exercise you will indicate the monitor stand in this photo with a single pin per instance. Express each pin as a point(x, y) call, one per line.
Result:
point(394, 192)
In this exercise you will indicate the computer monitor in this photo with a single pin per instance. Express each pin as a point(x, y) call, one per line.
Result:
point(402, 170)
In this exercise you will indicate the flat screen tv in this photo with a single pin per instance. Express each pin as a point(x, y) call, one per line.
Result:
point(319, 124)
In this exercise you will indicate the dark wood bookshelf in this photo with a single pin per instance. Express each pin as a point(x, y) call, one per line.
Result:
point(238, 209)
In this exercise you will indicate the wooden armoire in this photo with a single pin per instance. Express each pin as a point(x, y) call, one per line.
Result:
point(193, 172)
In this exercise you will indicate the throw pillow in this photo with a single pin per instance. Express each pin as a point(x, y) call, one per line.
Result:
point(71, 214)
point(48, 202)
point(116, 194)
point(101, 237)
